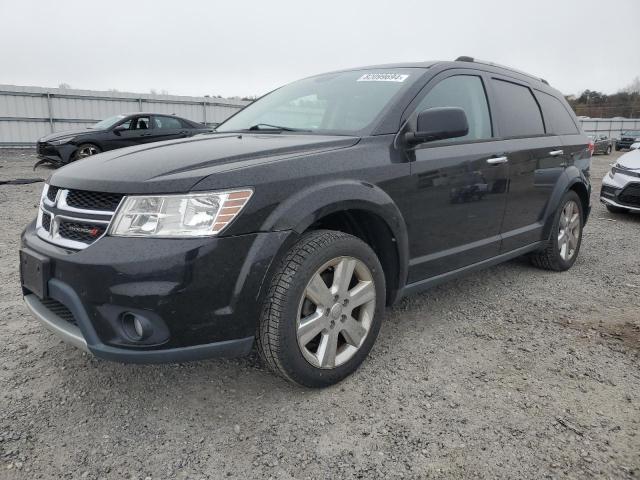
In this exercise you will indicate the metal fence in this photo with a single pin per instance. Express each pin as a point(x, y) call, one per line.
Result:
point(28, 113)
point(611, 127)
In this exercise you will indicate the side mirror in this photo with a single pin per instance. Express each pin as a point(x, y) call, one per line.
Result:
point(439, 124)
point(119, 129)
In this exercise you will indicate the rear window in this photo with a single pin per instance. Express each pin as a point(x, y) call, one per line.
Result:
point(519, 112)
point(556, 116)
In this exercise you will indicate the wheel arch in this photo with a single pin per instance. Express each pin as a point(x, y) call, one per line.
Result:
point(358, 208)
point(572, 179)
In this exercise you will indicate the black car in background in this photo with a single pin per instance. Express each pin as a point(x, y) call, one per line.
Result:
point(305, 214)
point(114, 132)
point(601, 144)
point(627, 139)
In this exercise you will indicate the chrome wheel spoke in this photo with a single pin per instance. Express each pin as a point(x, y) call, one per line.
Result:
point(575, 221)
point(311, 326)
point(318, 292)
point(342, 275)
point(353, 331)
point(363, 292)
point(327, 350)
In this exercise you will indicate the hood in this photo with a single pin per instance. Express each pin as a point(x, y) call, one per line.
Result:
point(177, 165)
point(630, 160)
point(67, 134)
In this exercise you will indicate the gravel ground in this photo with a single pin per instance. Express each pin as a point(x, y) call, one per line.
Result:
point(512, 372)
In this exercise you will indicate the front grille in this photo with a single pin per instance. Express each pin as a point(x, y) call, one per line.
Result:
point(46, 221)
point(93, 200)
point(52, 192)
point(630, 195)
point(60, 310)
point(81, 232)
point(40, 147)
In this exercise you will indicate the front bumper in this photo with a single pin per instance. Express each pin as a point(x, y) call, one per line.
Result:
point(614, 190)
point(201, 297)
point(56, 154)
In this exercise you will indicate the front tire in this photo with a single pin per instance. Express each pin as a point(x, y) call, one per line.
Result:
point(608, 150)
point(561, 250)
point(323, 310)
point(85, 150)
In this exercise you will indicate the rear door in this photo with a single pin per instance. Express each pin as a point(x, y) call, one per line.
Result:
point(459, 185)
point(166, 127)
point(535, 159)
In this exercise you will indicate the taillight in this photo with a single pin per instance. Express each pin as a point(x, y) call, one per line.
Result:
point(591, 147)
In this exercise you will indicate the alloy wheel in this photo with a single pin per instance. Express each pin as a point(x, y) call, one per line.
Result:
point(569, 230)
point(336, 312)
point(86, 151)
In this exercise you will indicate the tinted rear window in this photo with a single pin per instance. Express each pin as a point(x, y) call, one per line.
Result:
point(519, 112)
point(556, 116)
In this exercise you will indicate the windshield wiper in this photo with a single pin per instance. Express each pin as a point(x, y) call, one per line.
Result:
point(258, 126)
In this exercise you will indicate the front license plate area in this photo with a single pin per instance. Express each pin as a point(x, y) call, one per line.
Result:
point(34, 271)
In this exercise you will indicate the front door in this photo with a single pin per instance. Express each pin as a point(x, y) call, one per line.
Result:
point(138, 130)
point(168, 128)
point(459, 186)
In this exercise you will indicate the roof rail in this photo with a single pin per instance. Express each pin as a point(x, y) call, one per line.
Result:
point(465, 58)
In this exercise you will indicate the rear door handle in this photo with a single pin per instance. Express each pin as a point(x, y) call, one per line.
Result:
point(497, 160)
point(556, 153)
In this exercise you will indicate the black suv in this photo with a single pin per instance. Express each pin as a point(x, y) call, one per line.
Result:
point(304, 214)
point(627, 139)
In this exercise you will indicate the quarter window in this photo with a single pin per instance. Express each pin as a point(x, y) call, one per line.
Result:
point(519, 112)
point(465, 92)
point(556, 117)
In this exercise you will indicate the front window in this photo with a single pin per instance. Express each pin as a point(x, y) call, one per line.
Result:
point(340, 103)
point(632, 133)
point(108, 122)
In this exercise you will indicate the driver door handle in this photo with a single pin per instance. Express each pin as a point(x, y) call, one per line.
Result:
point(556, 153)
point(497, 160)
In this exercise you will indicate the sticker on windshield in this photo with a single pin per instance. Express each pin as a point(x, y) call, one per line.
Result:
point(383, 77)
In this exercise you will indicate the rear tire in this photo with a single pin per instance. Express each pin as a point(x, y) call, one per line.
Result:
point(323, 310)
point(613, 209)
point(563, 246)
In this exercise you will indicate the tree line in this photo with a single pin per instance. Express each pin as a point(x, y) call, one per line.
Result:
point(594, 104)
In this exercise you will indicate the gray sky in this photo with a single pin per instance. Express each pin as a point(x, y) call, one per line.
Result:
point(247, 48)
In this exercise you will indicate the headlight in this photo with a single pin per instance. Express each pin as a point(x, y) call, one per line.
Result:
point(61, 141)
point(192, 215)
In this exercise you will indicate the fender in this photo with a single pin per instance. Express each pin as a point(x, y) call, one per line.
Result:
point(301, 210)
point(571, 176)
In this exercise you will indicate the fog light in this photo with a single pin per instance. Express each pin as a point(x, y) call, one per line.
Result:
point(136, 327)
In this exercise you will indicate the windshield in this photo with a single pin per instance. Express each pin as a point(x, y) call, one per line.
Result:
point(108, 122)
point(339, 103)
point(632, 133)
